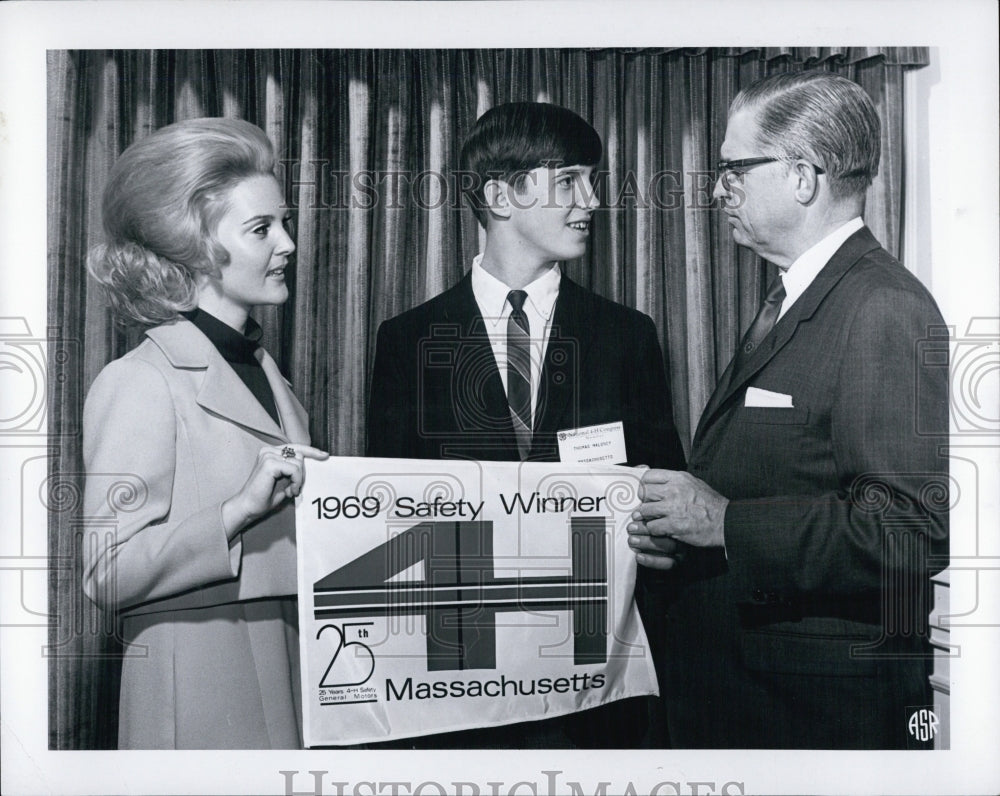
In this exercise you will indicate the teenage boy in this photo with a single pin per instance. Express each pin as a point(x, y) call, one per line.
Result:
point(515, 352)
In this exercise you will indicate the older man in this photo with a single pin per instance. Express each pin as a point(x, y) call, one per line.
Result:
point(815, 507)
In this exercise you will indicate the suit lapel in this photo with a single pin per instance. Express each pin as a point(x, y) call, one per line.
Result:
point(716, 399)
point(477, 364)
point(731, 384)
point(569, 338)
point(222, 392)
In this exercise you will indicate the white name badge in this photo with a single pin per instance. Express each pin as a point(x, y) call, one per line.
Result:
point(603, 444)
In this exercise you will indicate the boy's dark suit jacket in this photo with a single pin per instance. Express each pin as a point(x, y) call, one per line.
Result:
point(809, 631)
point(436, 393)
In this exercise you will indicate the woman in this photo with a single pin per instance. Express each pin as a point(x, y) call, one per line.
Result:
point(197, 420)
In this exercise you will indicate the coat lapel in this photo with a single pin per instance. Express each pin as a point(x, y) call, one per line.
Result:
point(477, 362)
point(222, 392)
point(294, 420)
point(731, 383)
point(569, 338)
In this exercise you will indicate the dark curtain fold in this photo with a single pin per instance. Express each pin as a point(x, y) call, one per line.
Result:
point(368, 143)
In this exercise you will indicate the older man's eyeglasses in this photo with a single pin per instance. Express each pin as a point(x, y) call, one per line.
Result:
point(732, 171)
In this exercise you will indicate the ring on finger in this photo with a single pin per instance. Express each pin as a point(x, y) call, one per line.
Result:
point(288, 452)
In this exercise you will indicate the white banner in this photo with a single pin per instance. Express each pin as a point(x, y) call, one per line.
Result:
point(445, 595)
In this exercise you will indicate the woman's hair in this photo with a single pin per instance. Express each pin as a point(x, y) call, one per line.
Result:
point(161, 208)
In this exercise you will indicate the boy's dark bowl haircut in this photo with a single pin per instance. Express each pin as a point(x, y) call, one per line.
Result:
point(512, 139)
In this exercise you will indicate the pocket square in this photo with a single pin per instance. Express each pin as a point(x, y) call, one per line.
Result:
point(774, 400)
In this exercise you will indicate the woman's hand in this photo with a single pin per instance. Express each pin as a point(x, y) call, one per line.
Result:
point(277, 475)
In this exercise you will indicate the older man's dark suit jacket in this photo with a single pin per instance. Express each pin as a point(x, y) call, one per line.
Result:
point(436, 393)
point(809, 631)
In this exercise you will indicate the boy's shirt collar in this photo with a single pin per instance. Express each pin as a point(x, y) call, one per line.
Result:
point(491, 293)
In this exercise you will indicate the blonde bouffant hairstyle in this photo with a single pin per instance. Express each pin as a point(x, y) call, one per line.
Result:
point(161, 208)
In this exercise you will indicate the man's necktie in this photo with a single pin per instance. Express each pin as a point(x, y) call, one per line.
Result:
point(519, 371)
point(762, 324)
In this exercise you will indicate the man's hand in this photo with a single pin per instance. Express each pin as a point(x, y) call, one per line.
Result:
point(676, 507)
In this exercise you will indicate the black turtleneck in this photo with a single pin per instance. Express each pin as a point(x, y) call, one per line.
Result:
point(238, 350)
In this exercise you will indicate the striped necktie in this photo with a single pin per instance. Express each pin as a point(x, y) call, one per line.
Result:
point(519, 371)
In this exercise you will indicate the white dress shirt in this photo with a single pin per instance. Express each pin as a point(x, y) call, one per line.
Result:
point(491, 296)
point(803, 271)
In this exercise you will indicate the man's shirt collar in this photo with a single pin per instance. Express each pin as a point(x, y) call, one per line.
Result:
point(803, 271)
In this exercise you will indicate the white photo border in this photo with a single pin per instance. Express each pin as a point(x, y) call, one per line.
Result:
point(959, 258)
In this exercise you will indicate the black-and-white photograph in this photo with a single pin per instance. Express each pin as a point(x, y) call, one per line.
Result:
point(589, 417)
